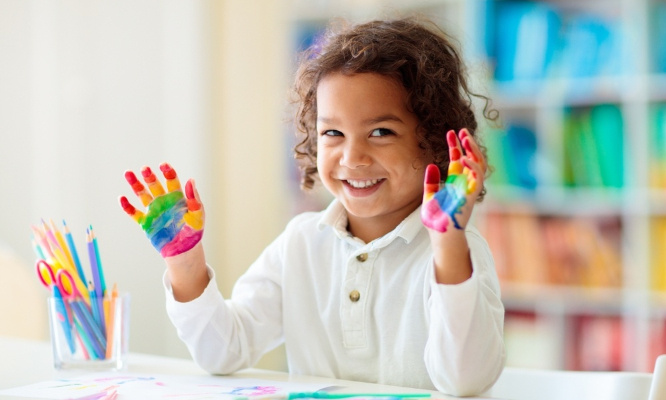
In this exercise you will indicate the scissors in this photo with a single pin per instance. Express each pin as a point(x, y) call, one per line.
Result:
point(60, 278)
point(65, 288)
point(47, 276)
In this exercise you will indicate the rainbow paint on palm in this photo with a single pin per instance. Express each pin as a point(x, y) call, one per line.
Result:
point(442, 206)
point(173, 220)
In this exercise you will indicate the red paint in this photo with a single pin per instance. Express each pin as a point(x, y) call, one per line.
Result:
point(467, 144)
point(125, 204)
point(451, 138)
point(148, 175)
point(130, 177)
point(455, 154)
point(168, 172)
point(189, 190)
point(432, 175)
point(136, 185)
point(192, 203)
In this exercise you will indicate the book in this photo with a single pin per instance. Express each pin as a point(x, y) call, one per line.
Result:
point(526, 36)
point(658, 254)
point(596, 343)
point(590, 47)
point(512, 155)
point(594, 147)
point(657, 151)
point(552, 250)
point(607, 133)
point(657, 15)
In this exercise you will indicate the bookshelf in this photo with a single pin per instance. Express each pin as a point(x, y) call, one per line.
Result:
point(576, 208)
point(575, 217)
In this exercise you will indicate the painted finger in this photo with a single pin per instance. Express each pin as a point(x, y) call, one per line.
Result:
point(472, 149)
point(431, 182)
point(172, 181)
point(194, 216)
point(138, 188)
point(193, 203)
point(131, 210)
point(455, 153)
point(151, 180)
point(474, 173)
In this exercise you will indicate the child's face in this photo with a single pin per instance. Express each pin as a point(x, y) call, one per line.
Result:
point(367, 150)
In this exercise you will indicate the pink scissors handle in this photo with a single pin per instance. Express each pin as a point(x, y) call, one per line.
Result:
point(66, 284)
point(46, 273)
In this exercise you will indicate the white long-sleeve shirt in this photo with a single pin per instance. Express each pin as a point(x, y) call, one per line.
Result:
point(352, 310)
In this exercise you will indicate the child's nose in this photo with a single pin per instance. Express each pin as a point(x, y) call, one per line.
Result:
point(355, 155)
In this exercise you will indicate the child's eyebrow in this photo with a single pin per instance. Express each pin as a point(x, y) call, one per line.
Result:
point(383, 118)
point(369, 121)
point(326, 120)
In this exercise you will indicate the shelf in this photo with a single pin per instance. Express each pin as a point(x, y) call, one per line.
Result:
point(592, 144)
point(556, 200)
point(563, 300)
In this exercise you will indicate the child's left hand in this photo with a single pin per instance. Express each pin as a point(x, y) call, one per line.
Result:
point(451, 206)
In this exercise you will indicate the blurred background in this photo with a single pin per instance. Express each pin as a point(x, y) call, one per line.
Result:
point(576, 206)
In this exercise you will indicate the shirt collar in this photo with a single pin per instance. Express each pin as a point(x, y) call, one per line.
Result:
point(335, 216)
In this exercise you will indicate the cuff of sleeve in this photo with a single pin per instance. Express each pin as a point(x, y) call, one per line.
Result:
point(456, 293)
point(206, 302)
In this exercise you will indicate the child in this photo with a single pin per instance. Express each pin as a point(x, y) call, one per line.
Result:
point(377, 287)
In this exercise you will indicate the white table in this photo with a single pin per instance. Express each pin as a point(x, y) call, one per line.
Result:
point(24, 362)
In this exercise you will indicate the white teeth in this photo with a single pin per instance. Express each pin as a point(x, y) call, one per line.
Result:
point(362, 184)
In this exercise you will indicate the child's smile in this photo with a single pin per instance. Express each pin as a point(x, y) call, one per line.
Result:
point(363, 187)
point(367, 150)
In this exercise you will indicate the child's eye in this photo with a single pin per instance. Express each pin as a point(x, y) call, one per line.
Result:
point(381, 132)
point(331, 132)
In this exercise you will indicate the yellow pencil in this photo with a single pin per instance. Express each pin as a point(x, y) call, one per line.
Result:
point(64, 263)
point(61, 242)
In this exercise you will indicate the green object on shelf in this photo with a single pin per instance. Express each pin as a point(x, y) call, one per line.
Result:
point(594, 147)
point(607, 127)
point(494, 141)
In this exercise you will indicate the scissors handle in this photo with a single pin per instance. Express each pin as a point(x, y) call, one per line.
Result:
point(71, 285)
point(45, 273)
point(66, 284)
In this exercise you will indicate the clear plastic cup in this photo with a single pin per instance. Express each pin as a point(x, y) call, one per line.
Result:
point(87, 337)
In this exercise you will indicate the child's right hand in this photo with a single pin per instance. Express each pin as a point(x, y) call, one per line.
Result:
point(173, 221)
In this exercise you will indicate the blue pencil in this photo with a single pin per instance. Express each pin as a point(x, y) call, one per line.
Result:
point(66, 322)
point(96, 298)
point(91, 328)
point(72, 250)
point(99, 262)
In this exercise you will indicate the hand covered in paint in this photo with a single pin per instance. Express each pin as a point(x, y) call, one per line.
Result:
point(444, 207)
point(173, 221)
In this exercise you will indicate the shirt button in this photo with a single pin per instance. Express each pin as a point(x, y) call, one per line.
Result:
point(362, 257)
point(354, 295)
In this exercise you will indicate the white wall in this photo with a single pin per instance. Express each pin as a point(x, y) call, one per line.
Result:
point(90, 88)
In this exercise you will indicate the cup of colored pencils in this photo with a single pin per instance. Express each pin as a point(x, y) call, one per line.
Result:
point(89, 324)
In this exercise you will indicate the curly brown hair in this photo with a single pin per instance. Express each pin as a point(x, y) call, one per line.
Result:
point(412, 50)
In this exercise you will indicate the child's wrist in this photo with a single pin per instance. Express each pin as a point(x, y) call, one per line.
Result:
point(188, 273)
point(451, 255)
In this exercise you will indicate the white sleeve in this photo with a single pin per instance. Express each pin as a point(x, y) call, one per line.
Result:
point(465, 354)
point(224, 336)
